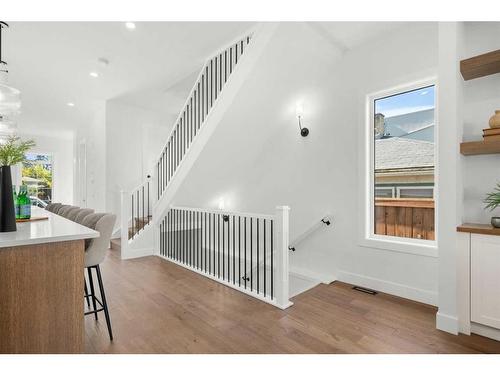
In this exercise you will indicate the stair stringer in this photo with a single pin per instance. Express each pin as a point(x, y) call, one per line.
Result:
point(141, 245)
point(242, 72)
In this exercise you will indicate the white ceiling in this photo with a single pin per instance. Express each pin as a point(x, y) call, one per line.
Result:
point(50, 62)
point(153, 66)
point(348, 35)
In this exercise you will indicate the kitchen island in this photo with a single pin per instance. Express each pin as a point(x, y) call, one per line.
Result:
point(41, 286)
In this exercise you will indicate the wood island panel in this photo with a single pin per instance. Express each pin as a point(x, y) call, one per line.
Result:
point(41, 298)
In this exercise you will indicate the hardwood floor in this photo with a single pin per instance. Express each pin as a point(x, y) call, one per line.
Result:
point(158, 307)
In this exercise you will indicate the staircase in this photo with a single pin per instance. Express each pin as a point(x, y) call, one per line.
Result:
point(148, 226)
point(138, 224)
point(141, 206)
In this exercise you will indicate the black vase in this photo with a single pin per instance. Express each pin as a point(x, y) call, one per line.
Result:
point(7, 210)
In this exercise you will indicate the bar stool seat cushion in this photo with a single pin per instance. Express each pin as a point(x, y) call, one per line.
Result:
point(95, 252)
point(71, 214)
point(55, 207)
point(65, 210)
point(82, 213)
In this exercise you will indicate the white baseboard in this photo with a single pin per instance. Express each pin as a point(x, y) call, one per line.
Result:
point(311, 275)
point(137, 253)
point(485, 331)
point(401, 290)
point(447, 323)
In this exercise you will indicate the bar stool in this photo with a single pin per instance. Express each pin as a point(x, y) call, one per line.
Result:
point(95, 253)
point(61, 208)
point(91, 224)
point(65, 210)
point(53, 207)
point(71, 215)
point(50, 206)
point(82, 213)
point(77, 215)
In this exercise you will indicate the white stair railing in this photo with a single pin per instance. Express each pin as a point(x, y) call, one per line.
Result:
point(203, 96)
point(226, 246)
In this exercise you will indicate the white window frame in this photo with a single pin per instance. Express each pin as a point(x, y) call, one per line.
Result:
point(419, 187)
point(367, 237)
point(386, 188)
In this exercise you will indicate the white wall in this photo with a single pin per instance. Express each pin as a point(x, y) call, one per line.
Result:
point(481, 99)
point(467, 107)
point(93, 134)
point(134, 139)
point(257, 159)
point(61, 148)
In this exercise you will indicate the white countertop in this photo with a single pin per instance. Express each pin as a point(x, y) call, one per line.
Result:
point(55, 229)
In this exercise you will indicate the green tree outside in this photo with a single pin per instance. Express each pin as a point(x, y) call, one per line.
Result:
point(40, 172)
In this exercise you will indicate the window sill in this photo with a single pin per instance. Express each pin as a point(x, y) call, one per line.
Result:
point(402, 245)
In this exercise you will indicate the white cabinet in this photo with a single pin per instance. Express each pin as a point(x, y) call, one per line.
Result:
point(485, 280)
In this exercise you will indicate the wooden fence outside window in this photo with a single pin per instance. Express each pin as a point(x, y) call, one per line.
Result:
point(400, 217)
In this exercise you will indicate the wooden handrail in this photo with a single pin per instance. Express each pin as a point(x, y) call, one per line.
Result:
point(405, 202)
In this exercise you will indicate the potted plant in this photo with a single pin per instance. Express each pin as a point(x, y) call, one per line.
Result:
point(492, 201)
point(12, 152)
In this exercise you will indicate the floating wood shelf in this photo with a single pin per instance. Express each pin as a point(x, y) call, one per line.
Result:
point(479, 229)
point(479, 148)
point(481, 65)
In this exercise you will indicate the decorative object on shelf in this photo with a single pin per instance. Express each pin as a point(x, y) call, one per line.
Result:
point(491, 134)
point(10, 102)
point(12, 152)
point(492, 201)
point(495, 120)
point(495, 221)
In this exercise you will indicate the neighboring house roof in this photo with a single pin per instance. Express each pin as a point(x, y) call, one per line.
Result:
point(416, 125)
point(424, 134)
point(403, 153)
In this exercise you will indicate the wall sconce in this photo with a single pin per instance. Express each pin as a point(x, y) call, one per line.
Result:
point(299, 112)
point(221, 207)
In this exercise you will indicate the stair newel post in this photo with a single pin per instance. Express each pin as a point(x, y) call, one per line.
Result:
point(281, 241)
point(126, 208)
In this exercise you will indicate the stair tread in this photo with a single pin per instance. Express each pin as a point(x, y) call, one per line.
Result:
point(116, 243)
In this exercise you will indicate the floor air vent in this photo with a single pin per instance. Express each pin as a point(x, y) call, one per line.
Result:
point(364, 290)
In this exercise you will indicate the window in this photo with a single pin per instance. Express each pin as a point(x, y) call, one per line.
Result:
point(402, 128)
point(384, 192)
point(416, 192)
point(37, 172)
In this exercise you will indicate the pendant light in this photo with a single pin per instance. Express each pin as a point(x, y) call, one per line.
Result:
point(10, 101)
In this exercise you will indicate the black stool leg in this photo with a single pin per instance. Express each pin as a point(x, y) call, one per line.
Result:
point(92, 291)
point(105, 304)
point(86, 292)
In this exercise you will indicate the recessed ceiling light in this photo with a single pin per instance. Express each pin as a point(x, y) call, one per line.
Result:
point(130, 25)
point(70, 104)
point(94, 74)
